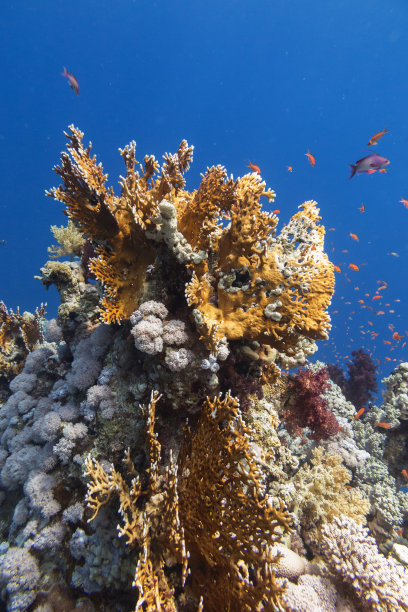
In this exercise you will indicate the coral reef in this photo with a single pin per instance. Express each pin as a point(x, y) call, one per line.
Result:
point(155, 400)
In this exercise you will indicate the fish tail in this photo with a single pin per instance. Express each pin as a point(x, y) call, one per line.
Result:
point(65, 73)
point(353, 170)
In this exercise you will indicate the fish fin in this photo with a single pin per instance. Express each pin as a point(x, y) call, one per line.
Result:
point(65, 73)
point(353, 170)
point(371, 171)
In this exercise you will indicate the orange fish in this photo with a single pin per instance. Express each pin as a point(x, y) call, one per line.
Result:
point(404, 202)
point(359, 413)
point(396, 336)
point(404, 473)
point(383, 171)
point(276, 212)
point(290, 169)
point(311, 158)
point(349, 487)
point(337, 268)
point(404, 344)
point(376, 297)
point(354, 267)
point(362, 208)
point(361, 301)
point(383, 425)
point(72, 81)
point(354, 237)
point(254, 167)
point(387, 342)
point(374, 139)
point(380, 312)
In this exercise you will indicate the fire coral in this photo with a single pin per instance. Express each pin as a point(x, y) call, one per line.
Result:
point(241, 280)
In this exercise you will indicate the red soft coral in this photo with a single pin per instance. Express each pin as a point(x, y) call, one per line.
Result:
point(308, 408)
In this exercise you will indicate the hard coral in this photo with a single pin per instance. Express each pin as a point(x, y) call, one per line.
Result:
point(211, 505)
point(307, 408)
point(241, 280)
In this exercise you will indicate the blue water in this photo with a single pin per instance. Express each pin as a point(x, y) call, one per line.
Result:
point(264, 81)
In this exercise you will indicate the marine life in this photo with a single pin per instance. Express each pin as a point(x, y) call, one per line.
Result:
point(72, 81)
point(396, 336)
point(354, 267)
point(337, 268)
point(374, 139)
point(290, 168)
point(3, 242)
point(383, 425)
point(311, 158)
point(404, 202)
point(355, 237)
point(404, 473)
point(369, 164)
point(254, 167)
point(359, 413)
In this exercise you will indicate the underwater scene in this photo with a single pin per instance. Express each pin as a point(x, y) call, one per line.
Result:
point(204, 306)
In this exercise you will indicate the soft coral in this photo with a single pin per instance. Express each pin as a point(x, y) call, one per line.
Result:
point(309, 409)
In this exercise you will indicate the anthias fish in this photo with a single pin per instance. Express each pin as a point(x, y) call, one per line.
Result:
point(369, 164)
point(72, 80)
point(374, 139)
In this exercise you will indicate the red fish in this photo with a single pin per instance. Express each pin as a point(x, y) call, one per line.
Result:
point(355, 237)
point(369, 164)
point(362, 208)
point(73, 83)
point(374, 139)
point(404, 202)
point(254, 167)
point(354, 267)
point(311, 158)
point(383, 425)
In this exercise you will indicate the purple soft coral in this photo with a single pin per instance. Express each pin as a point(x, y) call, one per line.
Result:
point(309, 408)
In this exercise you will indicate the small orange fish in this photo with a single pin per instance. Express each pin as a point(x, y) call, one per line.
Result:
point(359, 413)
point(332, 229)
point(404, 344)
point(383, 171)
point(361, 301)
point(362, 208)
point(376, 297)
point(311, 158)
point(388, 358)
point(354, 267)
point(276, 212)
point(72, 81)
point(374, 139)
point(396, 336)
point(254, 167)
point(404, 473)
point(355, 237)
point(349, 487)
point(337, 268)
point(380, 312)
point(387, 342)
point(290, 169)
point(383, 425)
point(404, 202)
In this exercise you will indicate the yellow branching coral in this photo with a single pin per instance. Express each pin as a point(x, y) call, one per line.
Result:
point(228, 522)
point(149, 511)
point(19, 334)
point(209, 509)
point(244, 281)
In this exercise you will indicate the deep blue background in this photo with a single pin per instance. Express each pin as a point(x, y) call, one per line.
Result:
point(240, 80)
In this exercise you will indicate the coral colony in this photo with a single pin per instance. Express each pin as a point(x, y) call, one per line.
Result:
point(154, 453)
